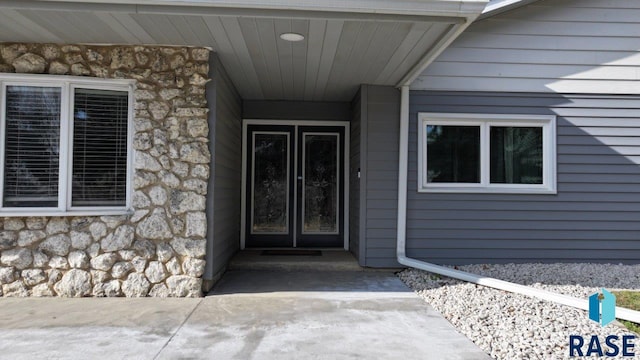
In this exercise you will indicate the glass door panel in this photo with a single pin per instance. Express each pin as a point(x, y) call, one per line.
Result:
point(270, 202)
point(320, 183)
point(320, 187)
point(294, 186)
point(270, 186)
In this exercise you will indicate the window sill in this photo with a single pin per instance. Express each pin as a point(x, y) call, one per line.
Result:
point(54, 213)
point(488, 190)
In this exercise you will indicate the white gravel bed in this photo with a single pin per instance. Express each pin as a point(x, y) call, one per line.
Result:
point(511, 326)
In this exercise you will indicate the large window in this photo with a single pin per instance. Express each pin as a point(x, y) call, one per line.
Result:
point(65, 145)
point(486, 153)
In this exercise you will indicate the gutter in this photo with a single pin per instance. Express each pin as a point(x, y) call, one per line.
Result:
point(503, 6)
point(419, 10)
point(401, 252)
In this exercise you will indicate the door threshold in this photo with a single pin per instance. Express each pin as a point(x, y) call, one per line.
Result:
point(329, 261)
point(294, 248)
point(291, 252)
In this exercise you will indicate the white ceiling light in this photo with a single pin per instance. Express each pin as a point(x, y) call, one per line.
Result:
point(294, 37)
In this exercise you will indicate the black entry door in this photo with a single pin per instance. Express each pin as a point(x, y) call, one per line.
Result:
point(295, 186)
point(320, 188)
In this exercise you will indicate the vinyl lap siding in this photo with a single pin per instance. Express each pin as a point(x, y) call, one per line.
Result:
point(380, 128)
point(223, 208)
point(564, 46)
point(594, 217)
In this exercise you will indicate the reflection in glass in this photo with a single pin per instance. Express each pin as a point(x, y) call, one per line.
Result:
point(32, 146)
point(100, 120)
point(271, 184)
point(516, 155)
point(320, 184)
point(453, 154)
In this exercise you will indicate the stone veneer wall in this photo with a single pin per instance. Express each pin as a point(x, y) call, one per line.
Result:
point(158, 250)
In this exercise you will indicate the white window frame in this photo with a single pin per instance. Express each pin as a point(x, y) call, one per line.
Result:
point(67, 85)
point(485, 122)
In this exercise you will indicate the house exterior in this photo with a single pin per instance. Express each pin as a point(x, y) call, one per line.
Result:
point(140, 167)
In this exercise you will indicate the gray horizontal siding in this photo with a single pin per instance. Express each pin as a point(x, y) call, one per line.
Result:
point(223, 205)
point(380, 137)
point(565, 46)
point(594, 217)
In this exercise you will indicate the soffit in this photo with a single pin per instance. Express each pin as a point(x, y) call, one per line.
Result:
point(341, 50)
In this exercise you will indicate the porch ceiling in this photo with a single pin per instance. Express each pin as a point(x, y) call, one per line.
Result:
point(342, 48)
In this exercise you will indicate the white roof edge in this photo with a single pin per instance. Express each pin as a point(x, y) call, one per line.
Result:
point(501, 6)
point(460, 8)
point(429, 57)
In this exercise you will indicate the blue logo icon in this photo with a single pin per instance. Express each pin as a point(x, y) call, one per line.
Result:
point(602, 307)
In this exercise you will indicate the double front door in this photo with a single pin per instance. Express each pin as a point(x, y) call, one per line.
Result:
point(294, 186)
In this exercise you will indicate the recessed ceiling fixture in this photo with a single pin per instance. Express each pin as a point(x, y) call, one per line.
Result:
point(289, 36)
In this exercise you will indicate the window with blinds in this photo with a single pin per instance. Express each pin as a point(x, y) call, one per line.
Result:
point(99, 148)
point(66, 144)
point(32, 146)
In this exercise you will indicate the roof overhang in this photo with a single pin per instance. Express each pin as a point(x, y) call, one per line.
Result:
point(347, 42)
point(496, 7)
point(455, 8)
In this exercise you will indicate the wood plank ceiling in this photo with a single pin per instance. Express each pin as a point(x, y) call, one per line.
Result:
point(336, 56)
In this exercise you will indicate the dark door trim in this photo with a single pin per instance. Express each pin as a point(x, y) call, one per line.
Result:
point(341, 127)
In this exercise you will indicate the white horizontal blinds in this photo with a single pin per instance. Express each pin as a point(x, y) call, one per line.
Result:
point(99, 148)
point(32, 146)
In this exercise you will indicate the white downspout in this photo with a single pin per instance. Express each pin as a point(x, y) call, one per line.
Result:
point(402, 258)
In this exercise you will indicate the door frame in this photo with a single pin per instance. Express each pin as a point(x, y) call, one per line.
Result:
point(294, 123)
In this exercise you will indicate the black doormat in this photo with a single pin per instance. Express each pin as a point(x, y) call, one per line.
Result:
point(292, 252)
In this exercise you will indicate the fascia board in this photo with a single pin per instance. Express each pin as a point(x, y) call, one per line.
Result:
point(455, 8)
point(503, 6)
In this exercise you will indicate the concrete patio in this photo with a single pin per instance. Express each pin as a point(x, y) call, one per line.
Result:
point(248, 315)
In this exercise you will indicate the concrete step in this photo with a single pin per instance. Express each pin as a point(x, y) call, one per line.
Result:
point(328, 260)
